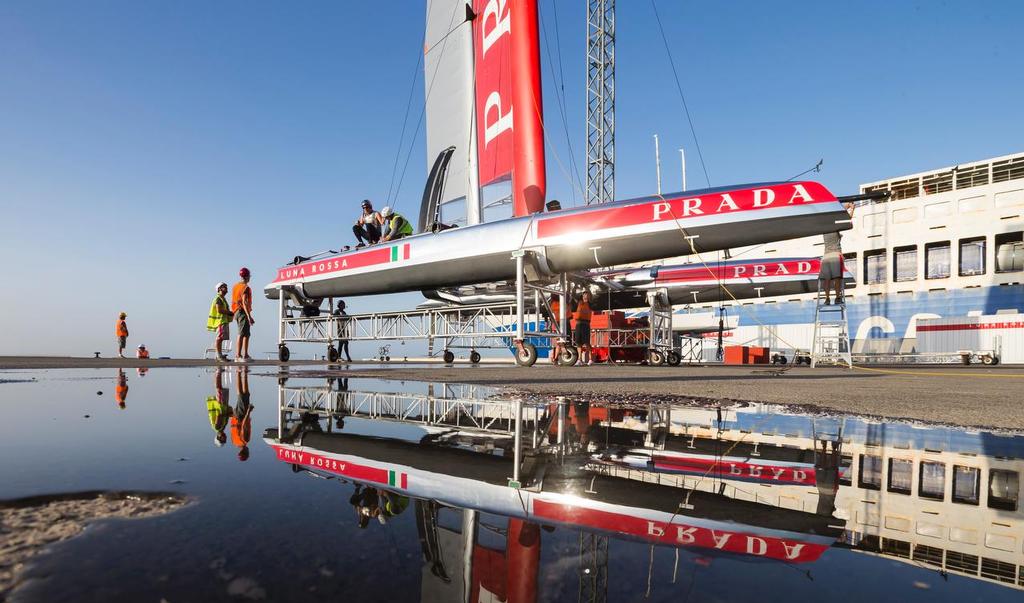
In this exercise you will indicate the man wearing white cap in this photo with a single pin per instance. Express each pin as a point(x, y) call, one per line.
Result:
point(395, 225)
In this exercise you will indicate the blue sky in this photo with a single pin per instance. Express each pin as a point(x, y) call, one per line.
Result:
point(147, 150)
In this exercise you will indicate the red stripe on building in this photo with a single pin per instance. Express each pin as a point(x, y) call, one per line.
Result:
point(405, 251)
point(680, 534)
point(340, 263)
point(723, 202)
point(983, 326)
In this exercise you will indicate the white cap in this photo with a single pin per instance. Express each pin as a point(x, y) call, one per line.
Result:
point(142, 346)
point(386, 211)
point(217, 442)
point(219, 285)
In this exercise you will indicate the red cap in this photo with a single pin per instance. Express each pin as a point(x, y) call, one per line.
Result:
point(244, 272)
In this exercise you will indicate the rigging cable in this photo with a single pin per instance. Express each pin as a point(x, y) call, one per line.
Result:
point(405, 120)
point(560, 93)
point(444, 45)
point(682, 97)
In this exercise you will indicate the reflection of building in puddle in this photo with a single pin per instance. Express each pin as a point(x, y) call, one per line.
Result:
point(744, 482)
point(452, 456)
point(932, 497)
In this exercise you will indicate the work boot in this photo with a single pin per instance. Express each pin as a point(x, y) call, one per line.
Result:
point(360, 245)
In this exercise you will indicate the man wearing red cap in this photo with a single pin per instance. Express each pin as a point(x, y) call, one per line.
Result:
point(241, 305)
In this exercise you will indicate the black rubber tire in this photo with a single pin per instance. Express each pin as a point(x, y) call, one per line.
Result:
point(474, 357)
point(655, 358)
point(783, 359)
point(569, 356)
point(526, 355)
point(995, 360)
point(449, 356)
point(387, 359)
point(674, 358)
point(332, 354)
point(283, 353)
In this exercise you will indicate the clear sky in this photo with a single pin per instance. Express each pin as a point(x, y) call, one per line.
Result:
point(150, 149)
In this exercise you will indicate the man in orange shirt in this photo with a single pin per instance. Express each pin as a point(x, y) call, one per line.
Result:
point(121, 332)
point(241, 419)
point(241, 305)
point(583, 315)
point(121, 389)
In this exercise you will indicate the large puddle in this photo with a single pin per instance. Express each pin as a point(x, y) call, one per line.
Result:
point(328, 489)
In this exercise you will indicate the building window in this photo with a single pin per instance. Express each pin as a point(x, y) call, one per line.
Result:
point(1003, 489)
point(905, 259)
point(1010, 252)
point(933, 480)
point(972, 176)
point(846, 470)
point(936, 260)
point(870, 474)
point(874, 266)
point(972, 256)
point(1008, 169)
point(966, 484)
point(901, 476)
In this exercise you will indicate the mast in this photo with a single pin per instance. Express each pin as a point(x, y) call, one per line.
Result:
point(600, 101)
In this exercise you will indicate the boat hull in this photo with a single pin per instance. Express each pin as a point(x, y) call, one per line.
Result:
point(582, 239)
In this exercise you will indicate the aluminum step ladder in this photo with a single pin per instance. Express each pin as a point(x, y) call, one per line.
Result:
point(831, 344)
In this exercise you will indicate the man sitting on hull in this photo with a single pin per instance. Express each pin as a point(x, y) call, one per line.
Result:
point(367, 227)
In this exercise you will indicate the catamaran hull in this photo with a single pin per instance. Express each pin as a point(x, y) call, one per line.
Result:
point(614, 234)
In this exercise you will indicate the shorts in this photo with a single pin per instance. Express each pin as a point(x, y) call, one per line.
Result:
point(831, 267)
point(582, 333)
point(243, 323)
point(122, 342)
point(224, 332)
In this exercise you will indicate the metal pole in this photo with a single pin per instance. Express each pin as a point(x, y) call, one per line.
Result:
point(561, 419)
point(520, 285)
point(281, 309)
point(657, 162)
point(682, 157)
point(468, 544)
point(516, 457)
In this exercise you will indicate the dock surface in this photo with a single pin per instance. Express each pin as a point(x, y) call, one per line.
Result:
point(986, 397)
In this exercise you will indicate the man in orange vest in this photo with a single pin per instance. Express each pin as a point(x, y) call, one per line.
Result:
point(241, 419)
point(583, 315)
point(241, 305)
point(142, 353)
point(121, 332)
point(121, 389)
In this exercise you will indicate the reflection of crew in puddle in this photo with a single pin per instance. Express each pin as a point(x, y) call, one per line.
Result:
point(218, 408)
point(376, 502)
point(121, 388)
point(142, 371)
point(241, 422)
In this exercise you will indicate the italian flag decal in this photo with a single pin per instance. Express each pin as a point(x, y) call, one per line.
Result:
point(399, 480)
point(400, 252)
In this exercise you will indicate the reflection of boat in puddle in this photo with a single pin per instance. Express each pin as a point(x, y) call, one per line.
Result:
point(747, 483)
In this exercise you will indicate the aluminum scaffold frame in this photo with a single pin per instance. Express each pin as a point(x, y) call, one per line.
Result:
point(446, 328)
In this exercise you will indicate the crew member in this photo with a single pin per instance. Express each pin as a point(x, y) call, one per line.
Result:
point(241, 305)
point(367, 227)
point(241, 419)
point(220, 320)
point(342, 329)
point(395, 225)
point(142, 352)
point(121, 389)
point(121, 332)
point(583, 315)
point(831, 272)
point(219, 409)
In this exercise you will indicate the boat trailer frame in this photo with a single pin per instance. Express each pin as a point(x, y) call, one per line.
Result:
point(515, 324)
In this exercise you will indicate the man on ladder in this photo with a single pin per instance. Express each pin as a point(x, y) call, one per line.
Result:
point(831, 333)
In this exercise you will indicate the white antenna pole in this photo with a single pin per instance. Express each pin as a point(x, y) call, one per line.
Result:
point(657, 162)
point(682, 156)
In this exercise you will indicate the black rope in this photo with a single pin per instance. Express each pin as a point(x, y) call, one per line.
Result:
point(560, 95)
point(682, 97)
point(816, 168)
point(405, 122)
